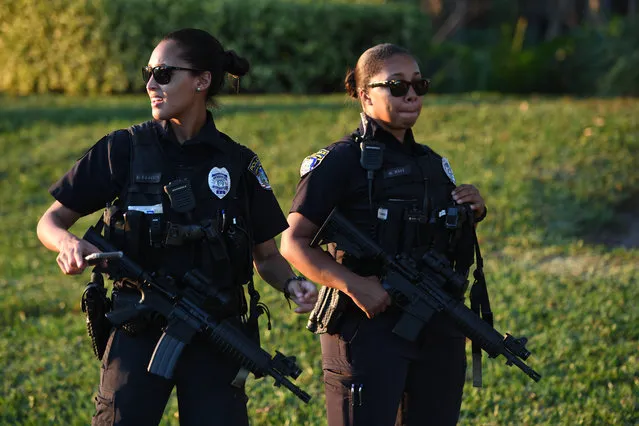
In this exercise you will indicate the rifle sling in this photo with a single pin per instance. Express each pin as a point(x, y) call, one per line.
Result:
point(480, 304)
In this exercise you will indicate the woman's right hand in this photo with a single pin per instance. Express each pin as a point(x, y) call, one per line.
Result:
point(53, 233)
point(369, 295)
point(72, 252)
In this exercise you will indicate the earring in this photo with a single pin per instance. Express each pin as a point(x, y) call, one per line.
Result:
point(198, 89)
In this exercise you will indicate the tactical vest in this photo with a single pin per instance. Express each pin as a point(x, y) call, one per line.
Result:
point(174, 218)
point(408, 208)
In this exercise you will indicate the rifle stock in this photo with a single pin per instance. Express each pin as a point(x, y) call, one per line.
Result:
point(419, 292)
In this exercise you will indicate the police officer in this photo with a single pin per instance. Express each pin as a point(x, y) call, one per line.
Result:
point(394, 189)
point(171, 178)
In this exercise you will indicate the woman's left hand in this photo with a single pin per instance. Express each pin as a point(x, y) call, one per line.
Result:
point(469, 194)
point(304, 294)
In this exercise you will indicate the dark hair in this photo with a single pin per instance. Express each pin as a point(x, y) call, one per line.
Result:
point(369, 64)
point(204, 52)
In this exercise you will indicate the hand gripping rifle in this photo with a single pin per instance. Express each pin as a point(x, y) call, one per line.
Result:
point(419, 292)
point(185, 317)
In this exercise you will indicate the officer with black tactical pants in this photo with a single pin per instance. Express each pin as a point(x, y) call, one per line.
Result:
point(402, 194)
point(187, 203)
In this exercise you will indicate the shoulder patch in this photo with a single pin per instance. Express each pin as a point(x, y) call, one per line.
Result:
point(448, 170)
point(312, 161)
point(255, 167)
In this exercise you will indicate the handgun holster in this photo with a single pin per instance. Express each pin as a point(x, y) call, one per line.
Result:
point(96, 304)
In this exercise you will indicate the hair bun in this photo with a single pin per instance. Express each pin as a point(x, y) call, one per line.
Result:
point(350, 84)
point(234, 64)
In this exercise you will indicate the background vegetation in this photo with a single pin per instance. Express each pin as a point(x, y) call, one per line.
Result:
point(99, 46)
point(560, 175)
point(555, 172)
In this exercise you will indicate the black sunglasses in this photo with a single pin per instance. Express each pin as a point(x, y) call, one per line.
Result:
point(162, 73)
point(400, 87)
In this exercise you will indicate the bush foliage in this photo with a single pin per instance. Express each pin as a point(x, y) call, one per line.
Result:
point(99, 46)
point(84, 46)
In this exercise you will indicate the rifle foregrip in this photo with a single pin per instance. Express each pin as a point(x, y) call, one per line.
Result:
point(479, 331)
point(489, 339)
point(231, 339)
point(254, 358)
point(165, 356)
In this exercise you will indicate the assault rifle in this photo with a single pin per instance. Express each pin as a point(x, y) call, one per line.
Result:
point(185, 315)
point(418, 289)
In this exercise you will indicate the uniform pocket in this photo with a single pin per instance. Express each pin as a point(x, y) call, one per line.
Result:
point(344, 398)
point(338, 381)
point(104, 411)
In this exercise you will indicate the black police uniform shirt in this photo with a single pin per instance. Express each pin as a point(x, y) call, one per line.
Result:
point(100, 175)
point(333, 176)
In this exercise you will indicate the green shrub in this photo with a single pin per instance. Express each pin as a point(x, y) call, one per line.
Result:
point(601, 61)
point(604, 60)
point(58, 46)
point(301, 46)
point(80, 46)
point(497, 63)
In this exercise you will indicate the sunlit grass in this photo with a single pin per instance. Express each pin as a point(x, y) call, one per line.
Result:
point(553, 171)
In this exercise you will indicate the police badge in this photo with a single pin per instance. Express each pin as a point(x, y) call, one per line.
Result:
point(219, 181)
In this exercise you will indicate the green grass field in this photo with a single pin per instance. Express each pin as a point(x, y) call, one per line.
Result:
point(556, 173)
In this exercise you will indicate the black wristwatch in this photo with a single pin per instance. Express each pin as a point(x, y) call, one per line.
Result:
point(483, 216)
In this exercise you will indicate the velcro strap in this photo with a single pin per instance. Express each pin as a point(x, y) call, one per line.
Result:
point(477, 374)
point(480, 304)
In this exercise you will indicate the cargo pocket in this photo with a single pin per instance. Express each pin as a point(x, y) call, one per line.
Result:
point(344, 398)
point(339, 380)
point(104, 410)
point(339, 400)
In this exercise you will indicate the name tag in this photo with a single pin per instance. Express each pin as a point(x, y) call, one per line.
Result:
point(148, 178)
point(156, 209)
point(397, 171)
